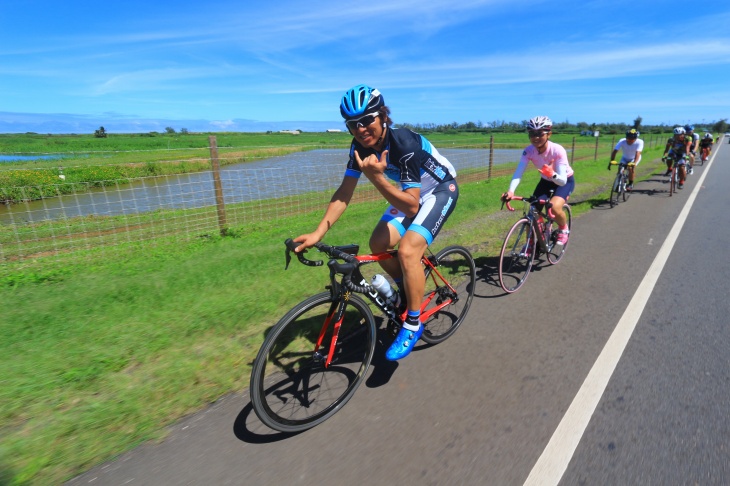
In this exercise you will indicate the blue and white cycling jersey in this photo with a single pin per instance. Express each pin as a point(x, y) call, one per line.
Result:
point(412, 161)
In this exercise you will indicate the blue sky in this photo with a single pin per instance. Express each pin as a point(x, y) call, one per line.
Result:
point(435, 61)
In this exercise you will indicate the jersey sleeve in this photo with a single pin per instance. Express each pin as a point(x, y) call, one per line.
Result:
point(521, 166)
point(562, 166)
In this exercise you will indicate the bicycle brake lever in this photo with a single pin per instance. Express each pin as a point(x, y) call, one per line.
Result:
point(290, 245)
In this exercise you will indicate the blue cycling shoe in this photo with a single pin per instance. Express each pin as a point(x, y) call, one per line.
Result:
point(403, 344)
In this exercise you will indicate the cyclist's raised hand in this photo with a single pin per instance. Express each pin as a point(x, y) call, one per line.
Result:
point(371, 165)
point(548, 171)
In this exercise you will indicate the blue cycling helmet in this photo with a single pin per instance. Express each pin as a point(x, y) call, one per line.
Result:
point(689, 127)
point(360, 100)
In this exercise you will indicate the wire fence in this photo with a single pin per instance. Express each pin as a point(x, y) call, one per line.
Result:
point(126, 214)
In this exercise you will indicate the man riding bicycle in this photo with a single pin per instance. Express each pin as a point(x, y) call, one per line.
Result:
point(551, 160)
point(418, 209)
point(631, 148)
point(694, 138)
point(677, 150)
point(706, 146)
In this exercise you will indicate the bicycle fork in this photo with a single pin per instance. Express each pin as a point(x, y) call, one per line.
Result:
point(336, 314)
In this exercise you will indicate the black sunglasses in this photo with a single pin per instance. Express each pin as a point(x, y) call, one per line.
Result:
point(363, 121)
point(537, 133)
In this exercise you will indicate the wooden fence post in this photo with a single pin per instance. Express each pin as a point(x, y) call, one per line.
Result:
point(219, 202)
point(595, 154)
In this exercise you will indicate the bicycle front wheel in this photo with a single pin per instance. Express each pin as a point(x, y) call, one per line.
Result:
point(292, 388)
point(517, 255)
point(615, 190)
point(449, 290)
point(556, 252)
point(625, 193)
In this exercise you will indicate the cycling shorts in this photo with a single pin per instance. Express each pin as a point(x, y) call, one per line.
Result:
point(433, 213)
point(545, 187)
point(679, 158)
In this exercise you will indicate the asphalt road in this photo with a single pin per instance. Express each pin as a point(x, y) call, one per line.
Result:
point(484, 406)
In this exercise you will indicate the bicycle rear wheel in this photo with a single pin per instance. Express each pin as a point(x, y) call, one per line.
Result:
point(291, 389)
point(449, 291)
point(615, 190)
point(517, 255)
point(555, 252)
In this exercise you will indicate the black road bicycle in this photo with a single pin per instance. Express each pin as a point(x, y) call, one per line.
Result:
point(619, 189)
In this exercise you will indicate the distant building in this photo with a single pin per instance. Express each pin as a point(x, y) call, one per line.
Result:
point(293, 132)
point(333, 130)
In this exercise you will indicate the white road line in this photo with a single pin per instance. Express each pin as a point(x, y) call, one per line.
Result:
point(553, 462)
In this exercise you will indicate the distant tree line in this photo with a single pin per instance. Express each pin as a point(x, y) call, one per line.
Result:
point(501, 126)
point(102, 133)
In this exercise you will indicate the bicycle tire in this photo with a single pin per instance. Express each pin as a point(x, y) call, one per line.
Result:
point(456, 265)
point(615, 190)
point(517, 255)
point(291, 391)
point(625, 193)
point(672, 178)
point(556, 252)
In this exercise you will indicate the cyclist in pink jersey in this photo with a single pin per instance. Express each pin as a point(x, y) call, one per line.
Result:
point(551, 160)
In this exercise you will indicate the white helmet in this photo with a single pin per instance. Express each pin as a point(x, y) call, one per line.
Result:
point(679, 131)
point(708, 135)
point(540, 123)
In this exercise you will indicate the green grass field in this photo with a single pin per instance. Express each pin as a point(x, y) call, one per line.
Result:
point(100, 356)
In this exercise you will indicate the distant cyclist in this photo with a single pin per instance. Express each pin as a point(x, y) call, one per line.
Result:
point(694, 138)
point(706, 146)
point(677, 150)
point(419, 206)
point(631, 148)
point(551, 160)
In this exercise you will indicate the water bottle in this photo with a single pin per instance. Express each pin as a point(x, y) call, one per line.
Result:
point(383, 287)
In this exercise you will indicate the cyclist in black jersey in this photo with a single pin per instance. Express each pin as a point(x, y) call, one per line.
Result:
point(677, 149)
point(418, 208)
point(706, 144)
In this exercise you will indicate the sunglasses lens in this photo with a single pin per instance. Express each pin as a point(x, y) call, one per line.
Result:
point(537, 133)
point(364, 121)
